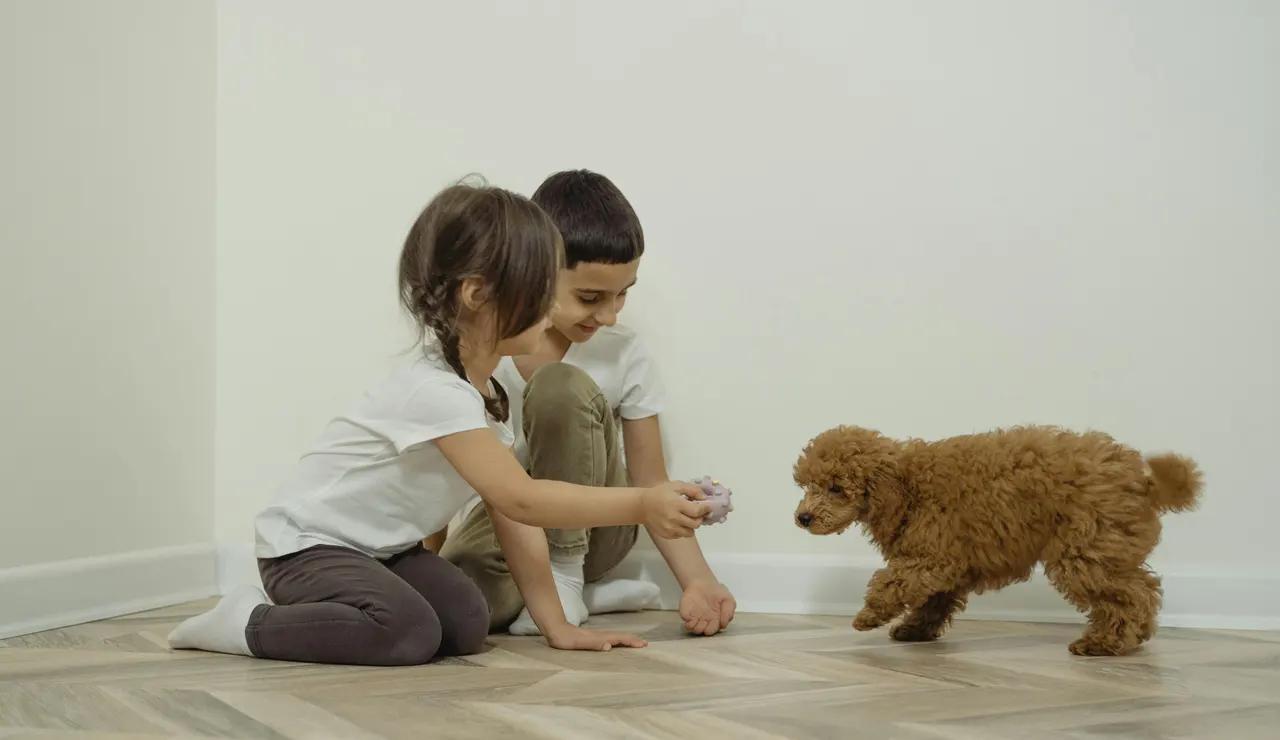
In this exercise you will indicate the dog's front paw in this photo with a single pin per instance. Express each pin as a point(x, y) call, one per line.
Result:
point(867, 620)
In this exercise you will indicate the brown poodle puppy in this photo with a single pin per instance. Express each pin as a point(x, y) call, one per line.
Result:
point(977, 512)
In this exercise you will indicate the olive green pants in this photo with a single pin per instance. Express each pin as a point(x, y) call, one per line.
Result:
point(572, 437)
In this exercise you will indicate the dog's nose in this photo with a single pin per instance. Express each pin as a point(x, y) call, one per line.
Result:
point(805, 519)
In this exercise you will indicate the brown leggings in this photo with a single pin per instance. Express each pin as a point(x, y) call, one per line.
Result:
point(335, 605)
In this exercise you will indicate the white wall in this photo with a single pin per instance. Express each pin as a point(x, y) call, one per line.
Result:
point(106, 303)
point(928, 218)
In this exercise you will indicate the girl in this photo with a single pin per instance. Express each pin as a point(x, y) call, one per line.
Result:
point(340, 545)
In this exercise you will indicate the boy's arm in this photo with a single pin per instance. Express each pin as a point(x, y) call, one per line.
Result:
point(647, 466)
point(436, 541)
point(706, 596)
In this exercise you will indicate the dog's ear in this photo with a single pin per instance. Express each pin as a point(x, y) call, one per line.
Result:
point(885, 489)
point(884, 484)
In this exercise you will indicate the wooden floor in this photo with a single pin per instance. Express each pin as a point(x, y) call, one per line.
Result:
point(768, 677)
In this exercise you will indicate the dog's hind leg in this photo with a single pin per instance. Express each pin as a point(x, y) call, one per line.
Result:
point(1122, 604)
point(928, 621)
point(1156, 591)
point(1098, 554)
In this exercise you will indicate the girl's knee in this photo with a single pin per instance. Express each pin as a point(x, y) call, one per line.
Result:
point(415, 646)
point(464, 622)
point(412, 635)
point(469, 635)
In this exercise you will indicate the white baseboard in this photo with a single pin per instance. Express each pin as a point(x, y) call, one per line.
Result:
point(61, 594)
point(815, 584)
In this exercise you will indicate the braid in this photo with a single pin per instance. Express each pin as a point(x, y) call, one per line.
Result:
point(499, 407)
point(439, 309)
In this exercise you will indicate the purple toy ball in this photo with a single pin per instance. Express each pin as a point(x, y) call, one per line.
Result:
point(719, 497)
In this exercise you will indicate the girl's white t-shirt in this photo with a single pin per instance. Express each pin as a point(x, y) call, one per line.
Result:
point(374, 481)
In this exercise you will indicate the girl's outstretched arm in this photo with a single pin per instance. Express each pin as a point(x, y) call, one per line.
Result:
point(492, 470)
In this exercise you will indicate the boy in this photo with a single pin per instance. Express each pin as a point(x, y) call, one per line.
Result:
point(591, 383)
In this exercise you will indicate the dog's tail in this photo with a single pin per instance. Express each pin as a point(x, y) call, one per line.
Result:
point(1174, 483)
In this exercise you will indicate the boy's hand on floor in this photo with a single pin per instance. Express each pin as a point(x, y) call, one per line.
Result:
point(707, 607)
point(569, 637)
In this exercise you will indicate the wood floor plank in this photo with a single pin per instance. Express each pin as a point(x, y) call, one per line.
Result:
point(767, 677)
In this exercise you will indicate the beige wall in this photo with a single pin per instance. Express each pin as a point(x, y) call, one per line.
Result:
point(106, 277)
point(990, 214)
point(933, 222)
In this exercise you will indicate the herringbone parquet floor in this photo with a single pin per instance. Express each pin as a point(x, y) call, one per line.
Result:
point(767, 677)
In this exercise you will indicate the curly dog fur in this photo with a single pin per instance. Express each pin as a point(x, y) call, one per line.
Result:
point(977, 512)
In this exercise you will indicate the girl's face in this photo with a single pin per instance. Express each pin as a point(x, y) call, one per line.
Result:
point(525, 342)
point(481, 326)
point(590, 296)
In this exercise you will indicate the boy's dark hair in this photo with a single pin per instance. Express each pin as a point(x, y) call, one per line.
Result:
point(595, 219)
point(477, 231)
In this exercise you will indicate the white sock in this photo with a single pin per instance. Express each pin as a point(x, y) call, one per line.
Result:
point(621, 595)
point(221, 630)
point(567, 573)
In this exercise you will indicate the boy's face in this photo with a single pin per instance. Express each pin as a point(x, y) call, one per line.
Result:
point(590, 296)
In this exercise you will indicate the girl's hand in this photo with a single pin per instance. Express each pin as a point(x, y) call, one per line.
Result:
point(569, 637)
point(669, 514)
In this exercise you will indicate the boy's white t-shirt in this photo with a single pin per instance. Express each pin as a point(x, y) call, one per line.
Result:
point(616, 360)
point(374, 481)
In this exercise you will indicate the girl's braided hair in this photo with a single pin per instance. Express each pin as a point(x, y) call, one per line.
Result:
point(496, 236)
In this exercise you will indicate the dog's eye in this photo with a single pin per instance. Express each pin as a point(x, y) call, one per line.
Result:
point(836, 489)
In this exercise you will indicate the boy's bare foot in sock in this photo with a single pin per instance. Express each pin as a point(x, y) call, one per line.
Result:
point(221, 630)
point(621, 595)
point(569, 581)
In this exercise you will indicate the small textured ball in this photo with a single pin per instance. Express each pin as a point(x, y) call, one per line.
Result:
point(719, 497)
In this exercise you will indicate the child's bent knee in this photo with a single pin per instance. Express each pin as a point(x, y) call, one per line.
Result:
point(464, 616)
point(467, 634)
point(559, 386)
point(415, 645)
point(409, 633)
